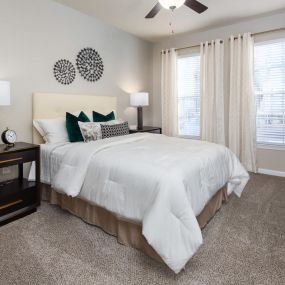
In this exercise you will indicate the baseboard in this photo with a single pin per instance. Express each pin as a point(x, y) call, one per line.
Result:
point(271, 172)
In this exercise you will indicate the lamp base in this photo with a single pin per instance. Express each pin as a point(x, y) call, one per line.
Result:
point(140, 118)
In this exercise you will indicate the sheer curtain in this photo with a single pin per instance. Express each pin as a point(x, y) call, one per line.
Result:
point(242, 110)
point(212, 92)
point(169, 93)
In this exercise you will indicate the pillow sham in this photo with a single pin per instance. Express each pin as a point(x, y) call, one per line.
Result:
point(88, 114)
point(97, 117)
point(52, 130)
point(109, 131)
point(72, 126)
point(91, 131)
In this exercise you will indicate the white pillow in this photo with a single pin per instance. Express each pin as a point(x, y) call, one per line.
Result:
point(91, 131)
point(52, 130)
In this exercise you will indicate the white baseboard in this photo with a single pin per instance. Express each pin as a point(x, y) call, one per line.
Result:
point(271, 172)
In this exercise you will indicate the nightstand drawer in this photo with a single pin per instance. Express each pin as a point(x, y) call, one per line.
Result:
point(155, 132)
point(147, 129)
point(20, 200)
point(16, 158)
point(19, 197)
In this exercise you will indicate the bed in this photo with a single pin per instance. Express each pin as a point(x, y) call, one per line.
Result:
point(153, 192)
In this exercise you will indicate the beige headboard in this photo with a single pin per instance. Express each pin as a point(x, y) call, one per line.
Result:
point(49, 106)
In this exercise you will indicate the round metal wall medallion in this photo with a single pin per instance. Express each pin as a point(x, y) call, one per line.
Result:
point(90, 64)
point(64, 71)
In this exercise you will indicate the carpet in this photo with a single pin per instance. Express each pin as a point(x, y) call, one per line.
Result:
point(243, 244)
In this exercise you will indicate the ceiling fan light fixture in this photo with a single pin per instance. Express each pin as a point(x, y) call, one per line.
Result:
point(171, 4)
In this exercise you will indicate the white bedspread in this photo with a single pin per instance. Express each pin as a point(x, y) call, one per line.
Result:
point(51, 158)
point(160, 181)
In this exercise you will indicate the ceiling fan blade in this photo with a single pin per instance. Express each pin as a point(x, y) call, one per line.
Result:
point(196, 6)
point(154, 11)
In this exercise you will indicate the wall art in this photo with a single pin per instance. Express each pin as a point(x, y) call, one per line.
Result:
point(90, 64)
point(64, 71)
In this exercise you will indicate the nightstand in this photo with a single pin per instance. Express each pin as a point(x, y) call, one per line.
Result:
point(146, 129)
point(19, 197)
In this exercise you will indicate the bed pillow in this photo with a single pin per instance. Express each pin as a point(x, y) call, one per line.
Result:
point(52, 130)
point(91, 131)
point(97, 117)
point(72, 126)
point(88, 114)
point(109, 131)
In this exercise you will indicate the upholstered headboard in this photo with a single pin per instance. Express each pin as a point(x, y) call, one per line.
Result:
point(49, 106)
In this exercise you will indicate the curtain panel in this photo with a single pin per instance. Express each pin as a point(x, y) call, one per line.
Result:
point(242, 108)
point(169, 93)
point(212, 92)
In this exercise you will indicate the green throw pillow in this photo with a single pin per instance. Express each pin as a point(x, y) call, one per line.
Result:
point(72, 126)
point(97, 117)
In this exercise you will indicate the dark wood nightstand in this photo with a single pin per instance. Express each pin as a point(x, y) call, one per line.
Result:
point(19, 197)
point(147, 129)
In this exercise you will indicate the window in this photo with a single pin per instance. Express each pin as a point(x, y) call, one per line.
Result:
point(270, 92)
point(188, 69)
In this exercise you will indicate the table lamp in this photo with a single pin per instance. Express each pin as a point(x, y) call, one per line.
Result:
point(4, 93)
point(139, 100)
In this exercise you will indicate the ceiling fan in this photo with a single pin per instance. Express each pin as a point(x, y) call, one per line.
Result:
point(175, 4)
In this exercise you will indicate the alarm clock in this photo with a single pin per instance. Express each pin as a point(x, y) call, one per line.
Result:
point(9, 137)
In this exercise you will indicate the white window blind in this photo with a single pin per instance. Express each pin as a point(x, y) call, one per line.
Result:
point(188, 80)
point(270, 92)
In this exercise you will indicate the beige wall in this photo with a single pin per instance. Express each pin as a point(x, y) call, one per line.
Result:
point(267, 159)
point(36, 33)
point(271, 159)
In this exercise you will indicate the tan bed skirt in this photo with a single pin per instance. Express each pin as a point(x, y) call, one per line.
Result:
point(127, 233)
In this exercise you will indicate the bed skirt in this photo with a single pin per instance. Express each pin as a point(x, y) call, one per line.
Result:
point(127, 232)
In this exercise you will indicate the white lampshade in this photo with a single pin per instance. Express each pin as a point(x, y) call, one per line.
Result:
point(139, 99)
point(171, 4)
point(4, 93)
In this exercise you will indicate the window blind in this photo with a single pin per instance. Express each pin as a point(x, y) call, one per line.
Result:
point(269, 68)
point(188, 81)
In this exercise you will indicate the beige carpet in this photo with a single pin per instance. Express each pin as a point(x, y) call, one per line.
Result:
point(243, 244)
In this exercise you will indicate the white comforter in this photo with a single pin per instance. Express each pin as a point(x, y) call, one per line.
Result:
point(160, 181)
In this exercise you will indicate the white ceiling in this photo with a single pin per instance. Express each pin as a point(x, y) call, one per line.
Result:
point(128, 15)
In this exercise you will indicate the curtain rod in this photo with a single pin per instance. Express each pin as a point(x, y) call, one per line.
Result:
point(255, 34)
point(265, 32)
point(221, 41)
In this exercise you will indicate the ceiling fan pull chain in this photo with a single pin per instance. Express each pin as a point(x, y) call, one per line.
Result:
point(171, 28)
